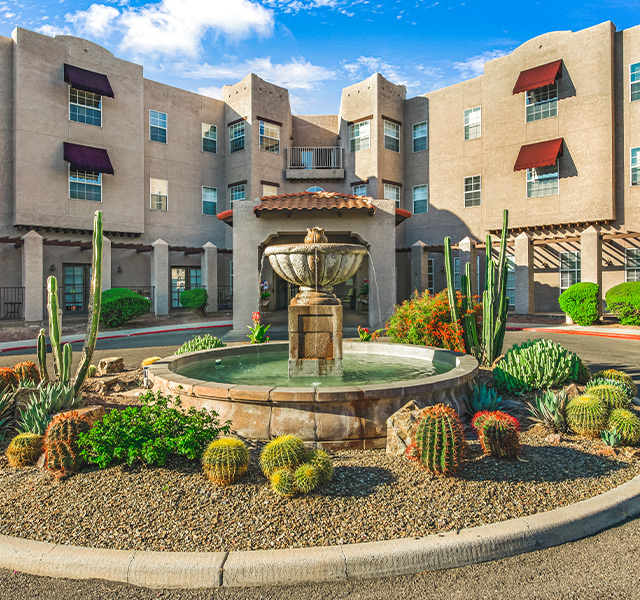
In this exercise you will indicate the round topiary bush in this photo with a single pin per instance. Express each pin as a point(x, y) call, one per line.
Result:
point(623, 301)
point(581, 302)
point(120, 305)
point(195, 300)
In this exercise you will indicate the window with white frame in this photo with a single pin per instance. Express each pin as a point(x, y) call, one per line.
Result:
point(542, 103)
point(269, 137)
point(456, 272)
point(85, 107)
point(543, 181)
point(315, 188)
point(635, 166)
point(209, 200)
point(392, 192)
point(359, 189)
point(359, 135)
point(420, 199)
point(511, 278)
point(419, 134)
point(236, 137)
point(269, 190)
point(430, 280)
point(391, 136)
point(472, 123)
point(634, 76)
point(209, 138)
point(236, 192)
point(569, 269)
point(632, 264)
point(159, 189)
point(85, 185)
point(472, 191)
point(158, 126)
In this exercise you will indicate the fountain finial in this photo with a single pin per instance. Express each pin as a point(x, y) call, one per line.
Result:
point(316, 235)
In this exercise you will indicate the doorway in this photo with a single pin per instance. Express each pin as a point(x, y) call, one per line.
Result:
point(184, 278)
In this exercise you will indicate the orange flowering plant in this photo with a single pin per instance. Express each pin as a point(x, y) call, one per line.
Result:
point(426, 320)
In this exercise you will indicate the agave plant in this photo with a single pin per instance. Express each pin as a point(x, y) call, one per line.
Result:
point(483, 398)
point(549, 409)
point(611, 437)
point(50, 398)
point(6, 410)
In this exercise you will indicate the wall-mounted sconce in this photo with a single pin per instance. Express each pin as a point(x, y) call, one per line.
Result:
point(52, 267)
point(119, 269)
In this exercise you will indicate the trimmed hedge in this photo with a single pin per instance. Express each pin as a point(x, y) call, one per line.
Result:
point(120, 305)
point(195, 300)
point(580, 302)
point(623, 301)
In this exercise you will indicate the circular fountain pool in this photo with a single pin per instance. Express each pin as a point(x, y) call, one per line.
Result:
point(249, 385)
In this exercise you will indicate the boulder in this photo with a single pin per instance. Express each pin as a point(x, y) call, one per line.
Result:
point(400, 426)
point(113, 364)
point(92, 413)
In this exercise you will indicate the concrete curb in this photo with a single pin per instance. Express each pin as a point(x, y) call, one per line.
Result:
point(601, 333)
point(331, 563)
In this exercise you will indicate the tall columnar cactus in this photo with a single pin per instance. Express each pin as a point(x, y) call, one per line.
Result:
point(498, 433)
point(587, 415)
point(42, 356)
point(24, 449)
point(438, 440)
point(610, 394)
point(626, 424)
point(225, 461)
point(62, 454)
point(285, 452)
point(495, 303)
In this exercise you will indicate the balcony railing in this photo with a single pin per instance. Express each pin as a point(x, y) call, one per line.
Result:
point(314, 158)
point(225, 297)
point(144, 290)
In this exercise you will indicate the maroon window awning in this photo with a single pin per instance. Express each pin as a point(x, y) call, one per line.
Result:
point(86, 158)
point(87, 80)
point(538, 77)
point(542, 154)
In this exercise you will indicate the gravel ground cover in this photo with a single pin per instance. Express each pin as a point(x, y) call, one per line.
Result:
point(372, 497)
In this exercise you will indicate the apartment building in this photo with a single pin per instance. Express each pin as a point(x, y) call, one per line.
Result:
point(193, 188)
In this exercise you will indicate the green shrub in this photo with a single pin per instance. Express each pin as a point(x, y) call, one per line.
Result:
point(195, 300)
point(623, 301)
point(581, 302)
point(120, 305)
point(538, 365)
point(200, 342)
point(151, 433)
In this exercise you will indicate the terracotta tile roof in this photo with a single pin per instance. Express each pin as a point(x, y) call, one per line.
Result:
point(315, 201)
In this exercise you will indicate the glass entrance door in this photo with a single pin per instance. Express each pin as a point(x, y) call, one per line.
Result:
point(184, 278)
point(75, 290)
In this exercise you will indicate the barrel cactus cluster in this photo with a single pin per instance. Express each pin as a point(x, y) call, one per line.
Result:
point(225, 461)
point(498, 433)
point(25, 449)
point(62, 453)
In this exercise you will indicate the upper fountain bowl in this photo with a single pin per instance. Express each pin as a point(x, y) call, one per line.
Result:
point(316, 266)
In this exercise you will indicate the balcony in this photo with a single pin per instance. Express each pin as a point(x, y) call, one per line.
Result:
point(307, 163)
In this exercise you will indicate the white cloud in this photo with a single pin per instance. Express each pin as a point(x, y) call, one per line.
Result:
point(212, 91)
point(364, 66)
point(474, 66)
point(295, 6)
point(9, 15)
point(174, 26)
point(53, 30)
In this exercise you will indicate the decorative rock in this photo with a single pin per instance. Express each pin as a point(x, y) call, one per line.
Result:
point(400, 426)
point(92, 413)
point(113, 364)
point(572, 391)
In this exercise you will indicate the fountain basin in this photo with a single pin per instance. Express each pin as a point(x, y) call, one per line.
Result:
point(331, 417)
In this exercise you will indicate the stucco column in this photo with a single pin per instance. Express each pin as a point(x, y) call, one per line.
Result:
point(160, 276)
point(106, 264)
point(419, 267)
point(32, 277)
point(469, 254)
point(209, 266)
point(525, 297)
point(591, 257)
point(382, 264)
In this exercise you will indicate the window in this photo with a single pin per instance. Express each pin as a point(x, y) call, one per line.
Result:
point(269, 190)
point(158, 126)
point(430, 283)
point(420, 199)
point(359, 135)
point(236, 192)
point(542, 181)
point(391, 136)
point(85, 107)
point(511, 279)
point(456, 272)
point(635, 166)
point(159, 193)
point(269, 137)
point(85, 186)
point(632, 264)
point(184, 278)
point(392, 192)
point(635, 81)
point(472, 123)
point(472, 191)
point(360, 189)
point(209, 138)
point(315, 188)
point(236, 137)
point(569, 269)
point(209, 200)
point(419, 136)
point(542, 103)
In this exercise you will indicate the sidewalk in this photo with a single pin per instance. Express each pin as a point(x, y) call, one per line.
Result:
point(608, 332)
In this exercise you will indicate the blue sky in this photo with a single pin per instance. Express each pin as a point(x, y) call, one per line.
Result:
point(314, 47)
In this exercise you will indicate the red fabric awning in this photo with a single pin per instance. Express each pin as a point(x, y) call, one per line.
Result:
point(542, 154)
point(538, 77)
point(88, 81)
point(86, 158)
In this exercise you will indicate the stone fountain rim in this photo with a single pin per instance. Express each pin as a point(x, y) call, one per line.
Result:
point(322, 248)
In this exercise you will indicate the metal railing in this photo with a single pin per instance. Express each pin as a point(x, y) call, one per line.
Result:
point(11, 303)
point(314, 158)
point(225, 297)
point(147, 291)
